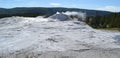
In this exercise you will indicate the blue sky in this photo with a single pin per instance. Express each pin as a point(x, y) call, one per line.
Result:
point(108, 5)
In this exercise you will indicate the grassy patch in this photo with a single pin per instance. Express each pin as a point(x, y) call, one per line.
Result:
point(111, 29)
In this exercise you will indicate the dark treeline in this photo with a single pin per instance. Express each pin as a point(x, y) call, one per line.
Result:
point(107, 21)
point(23, 15)
point(36, 11)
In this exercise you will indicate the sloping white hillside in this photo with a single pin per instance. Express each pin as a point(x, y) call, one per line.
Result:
point(24, 35)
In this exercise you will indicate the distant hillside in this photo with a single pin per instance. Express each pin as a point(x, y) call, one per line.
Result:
point(107, 21)
point(34, 11)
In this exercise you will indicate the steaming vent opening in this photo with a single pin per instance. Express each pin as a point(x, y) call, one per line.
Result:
point(65, 16)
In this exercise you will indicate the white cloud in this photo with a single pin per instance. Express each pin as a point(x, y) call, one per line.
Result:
point(55, 4)
point(110, 8)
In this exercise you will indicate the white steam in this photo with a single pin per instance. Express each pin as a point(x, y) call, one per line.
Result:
point(81, 15)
